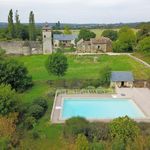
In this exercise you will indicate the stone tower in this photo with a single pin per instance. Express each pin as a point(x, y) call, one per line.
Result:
point(47, 39)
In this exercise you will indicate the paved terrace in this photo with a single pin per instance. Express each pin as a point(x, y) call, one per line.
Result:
point(141, 96)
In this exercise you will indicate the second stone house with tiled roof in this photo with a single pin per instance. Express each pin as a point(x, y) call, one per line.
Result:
point(95, 45)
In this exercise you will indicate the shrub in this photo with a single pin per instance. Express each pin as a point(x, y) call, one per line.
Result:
point(97, 131)
point(118, 144)
point(35, 134)
point(36, 111)
point(81, 142)
point(124, 129)
point(41, 102)
point(75, 126)
point(15, 74)
point(9, 100)
point(145, 128)
point(97, 146)
point(4, 143)
point(30, 122)
point(57, 64)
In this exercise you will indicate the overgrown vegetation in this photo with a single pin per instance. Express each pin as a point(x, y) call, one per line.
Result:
point(120, 134)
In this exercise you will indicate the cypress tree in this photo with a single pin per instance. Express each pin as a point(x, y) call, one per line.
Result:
point(17, 25)
point(11, 28)
point(32, 29)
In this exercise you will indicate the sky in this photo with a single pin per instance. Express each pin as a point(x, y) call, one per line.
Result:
point(78, 11)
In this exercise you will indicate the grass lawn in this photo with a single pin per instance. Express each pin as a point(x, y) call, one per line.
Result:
point(80, 67)
point(84, 67)
point(142, 56)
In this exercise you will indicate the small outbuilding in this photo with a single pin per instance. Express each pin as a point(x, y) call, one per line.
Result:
point(121, 79)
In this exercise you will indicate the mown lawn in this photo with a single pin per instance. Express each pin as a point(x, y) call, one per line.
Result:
point(84, 67)
point(80, 67)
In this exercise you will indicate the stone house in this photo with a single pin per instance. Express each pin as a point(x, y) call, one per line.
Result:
point(121, 79)
point(95, 45)
point(64, 40)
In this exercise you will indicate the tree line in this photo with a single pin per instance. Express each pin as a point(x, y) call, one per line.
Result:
point(16, 30)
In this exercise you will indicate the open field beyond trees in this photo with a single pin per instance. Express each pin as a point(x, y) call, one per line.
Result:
point(98, 32)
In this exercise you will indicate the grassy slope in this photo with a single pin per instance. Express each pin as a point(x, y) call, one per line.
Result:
point(79, 67)
point(144, 57)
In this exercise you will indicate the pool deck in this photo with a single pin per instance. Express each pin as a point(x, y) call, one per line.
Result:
point(141, 96)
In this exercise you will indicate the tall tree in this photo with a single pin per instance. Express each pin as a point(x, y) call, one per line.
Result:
point(17, 25)
point(11, 28)
point(113, 35)
point(67, 30)
point(86, 34)
point(32, 28)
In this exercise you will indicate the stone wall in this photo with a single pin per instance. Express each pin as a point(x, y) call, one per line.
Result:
point(22, 47)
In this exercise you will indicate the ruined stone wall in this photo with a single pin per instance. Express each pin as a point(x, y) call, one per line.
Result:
point(22, 47)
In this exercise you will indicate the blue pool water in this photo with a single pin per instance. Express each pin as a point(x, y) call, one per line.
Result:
point(103, 108)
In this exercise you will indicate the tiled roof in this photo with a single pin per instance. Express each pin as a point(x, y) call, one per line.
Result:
point(121, 76)
point(62, 37)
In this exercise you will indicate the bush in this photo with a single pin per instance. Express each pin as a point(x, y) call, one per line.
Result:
point(36, 111)
point(75, 126)
point(124, 129)
point(30, 122)
point(35, 134)
point(41, 102)
point(81, 142)
point(97, 131)
point(57, 64)
point(118, 144)
point(145, 128)
point(15, 74)
point(9, 100)
point(97, 146)
point(4, 143)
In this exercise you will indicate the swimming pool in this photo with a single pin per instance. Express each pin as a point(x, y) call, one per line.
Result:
point(100, 108)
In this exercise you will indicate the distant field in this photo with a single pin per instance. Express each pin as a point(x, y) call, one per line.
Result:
point(98, 32)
